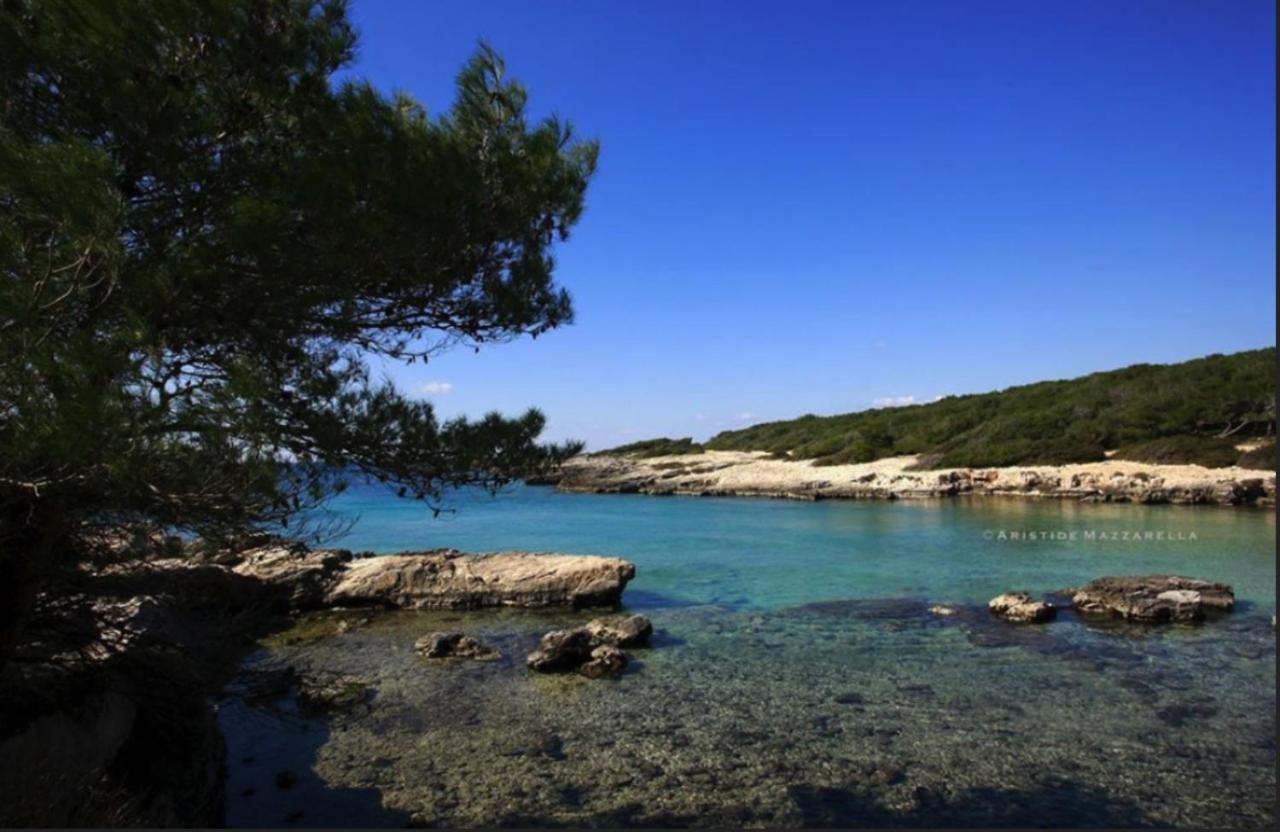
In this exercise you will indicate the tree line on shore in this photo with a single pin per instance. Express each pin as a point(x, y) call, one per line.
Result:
point(1194, 412)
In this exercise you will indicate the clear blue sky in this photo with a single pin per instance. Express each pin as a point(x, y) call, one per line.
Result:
point(810, 207)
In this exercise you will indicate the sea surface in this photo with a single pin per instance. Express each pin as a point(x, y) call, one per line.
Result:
point(796, 677)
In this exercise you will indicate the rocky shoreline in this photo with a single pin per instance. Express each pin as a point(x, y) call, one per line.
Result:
point(756, 474)
point(106, 714)
point(113, 690)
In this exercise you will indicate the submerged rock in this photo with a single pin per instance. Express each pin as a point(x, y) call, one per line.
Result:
point(1019, 607)
point(1153, 598)
point(327, 693)
point(454, 645)
point(450, 580)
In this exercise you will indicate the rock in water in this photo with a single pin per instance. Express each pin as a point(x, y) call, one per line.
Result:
point(621, 631)
point(1019, 607)
point(606, 660)
point(1153, 598)
point(561, 651)
point(450, 580)
point(454, 645)
point(591, 649)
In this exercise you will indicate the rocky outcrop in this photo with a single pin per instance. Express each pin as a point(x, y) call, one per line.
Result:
point(302, 575)
point(1152, 598)
point(592, 649)
point(105, 714)
point(450, 580)
point(621, 631)
point(1021, 608)
point(441, 645)
point(757, 474)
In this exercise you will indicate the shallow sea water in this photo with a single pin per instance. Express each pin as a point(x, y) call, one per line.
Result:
point(796, 677)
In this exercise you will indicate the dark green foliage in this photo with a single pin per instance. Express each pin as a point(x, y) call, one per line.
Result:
point(203, 237)
point(1209, 451)
point(1049, 423)
point(1259, 459)
point(656, 447)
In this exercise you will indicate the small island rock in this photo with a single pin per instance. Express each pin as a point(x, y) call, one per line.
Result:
point(1153, 598)
point(446, 579)
point(561, 651)
point(1019, 607)
point(592, 649)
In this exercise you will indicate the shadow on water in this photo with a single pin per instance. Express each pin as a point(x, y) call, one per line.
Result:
point(271, 782)
point(1056, 802)
point(641, 600)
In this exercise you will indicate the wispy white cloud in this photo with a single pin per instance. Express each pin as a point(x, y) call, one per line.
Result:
point(893, 401)
point(700, 417)
point(746, 416)
point(879, 343)
point(435, 388)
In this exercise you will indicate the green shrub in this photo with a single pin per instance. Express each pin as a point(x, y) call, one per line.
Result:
point(1211, 452)
point(655, 447)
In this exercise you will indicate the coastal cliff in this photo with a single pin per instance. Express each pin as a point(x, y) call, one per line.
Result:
point(759, 474)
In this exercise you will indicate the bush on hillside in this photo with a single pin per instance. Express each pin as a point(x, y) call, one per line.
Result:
point(1211, 452)
point(655, 447)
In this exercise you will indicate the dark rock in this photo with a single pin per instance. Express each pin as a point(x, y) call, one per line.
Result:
point(1153, 598)
point(592, 649)
point(561, 651)
point(441, 645)
point(606, 660)
point(286, 779)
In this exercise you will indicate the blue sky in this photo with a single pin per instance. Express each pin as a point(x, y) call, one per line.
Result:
point(817, 207)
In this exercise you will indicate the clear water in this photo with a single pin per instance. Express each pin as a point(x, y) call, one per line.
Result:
point(797, 677)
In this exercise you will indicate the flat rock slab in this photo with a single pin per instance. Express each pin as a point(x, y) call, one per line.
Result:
point(1153, 598)
point(449, 580)
point(302, 574)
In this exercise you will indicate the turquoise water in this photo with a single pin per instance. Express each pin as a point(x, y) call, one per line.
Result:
point(768, 554)
point(796, 677)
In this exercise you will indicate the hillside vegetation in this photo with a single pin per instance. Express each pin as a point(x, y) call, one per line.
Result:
point(656, 447)
point(1193, 412)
